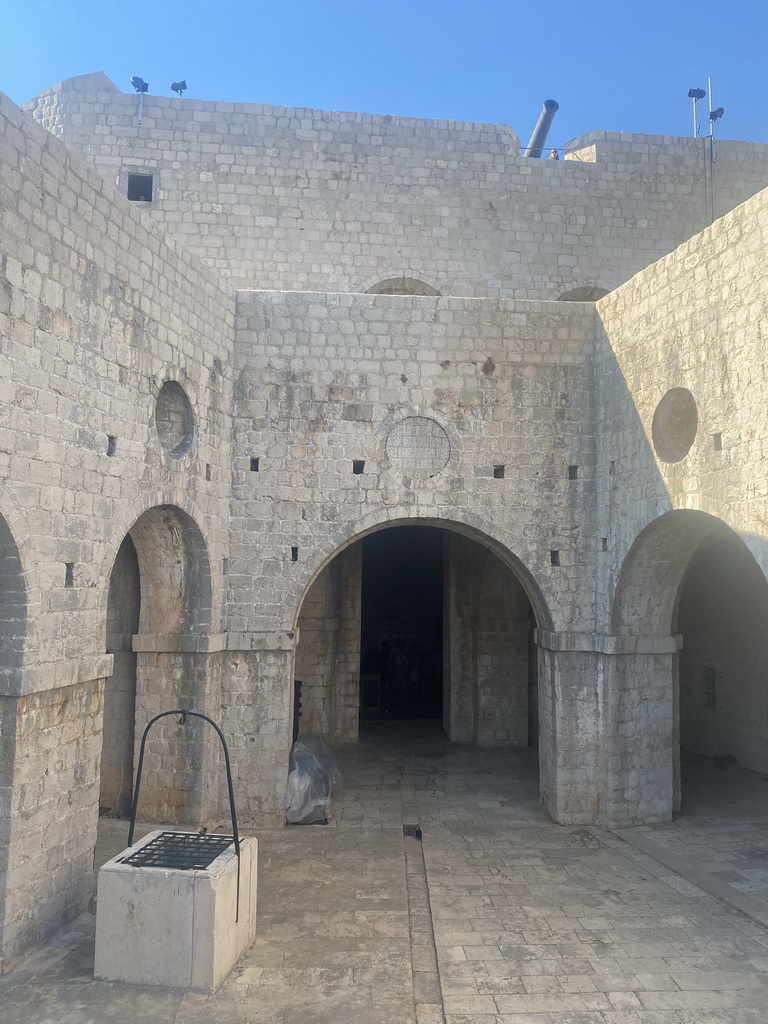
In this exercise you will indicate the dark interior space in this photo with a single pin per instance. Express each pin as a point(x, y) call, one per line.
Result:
point(401, 664)
point(723, 604)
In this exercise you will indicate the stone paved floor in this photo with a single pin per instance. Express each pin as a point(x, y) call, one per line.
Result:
point(720, 841)
point(495, 916)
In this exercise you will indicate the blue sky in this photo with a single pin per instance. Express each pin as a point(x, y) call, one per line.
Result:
point(619, 66)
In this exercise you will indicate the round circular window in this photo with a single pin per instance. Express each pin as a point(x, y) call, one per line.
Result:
point(418, 445)
point(674, 426)
point(174, 420)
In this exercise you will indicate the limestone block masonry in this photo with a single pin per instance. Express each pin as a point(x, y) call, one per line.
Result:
point(317, 200)
point(239, 342)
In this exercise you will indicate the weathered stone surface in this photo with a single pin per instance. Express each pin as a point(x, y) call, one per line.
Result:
point(213, 395)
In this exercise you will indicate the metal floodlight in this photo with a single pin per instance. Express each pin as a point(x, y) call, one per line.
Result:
point(715, 115)
point(179, 88)
point(139, 84)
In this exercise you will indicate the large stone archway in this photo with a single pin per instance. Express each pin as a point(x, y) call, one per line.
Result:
point(690, 604)
point(499, 649)
point(159, 607)
point(485, 637)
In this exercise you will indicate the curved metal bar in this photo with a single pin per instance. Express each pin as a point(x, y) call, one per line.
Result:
point(233, 814)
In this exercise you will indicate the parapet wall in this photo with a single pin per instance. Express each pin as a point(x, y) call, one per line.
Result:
point(313, 200)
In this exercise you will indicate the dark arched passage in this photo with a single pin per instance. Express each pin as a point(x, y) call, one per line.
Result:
point(415, 621)
point(690, 576)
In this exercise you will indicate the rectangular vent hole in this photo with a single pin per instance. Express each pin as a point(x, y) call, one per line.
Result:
point(358, 466)
point(412, 830)
point(717, 442)
point(294, 554)
point(573, 472)
point(604, 543)
point(498, 472)
point(111, 445)
point(207, 471)
point(69, 574)
point(554, 557)
point(612, 469)
point(254, 465)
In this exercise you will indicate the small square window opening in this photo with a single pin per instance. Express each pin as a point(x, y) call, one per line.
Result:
point(140, 188)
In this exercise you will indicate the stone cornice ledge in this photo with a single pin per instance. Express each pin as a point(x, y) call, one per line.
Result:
point(262, 641)
point(211, 643)
point(179, 643)
point(601, 643)
point(53, 675)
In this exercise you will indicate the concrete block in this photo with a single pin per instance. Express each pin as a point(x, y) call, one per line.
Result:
point(171, 927)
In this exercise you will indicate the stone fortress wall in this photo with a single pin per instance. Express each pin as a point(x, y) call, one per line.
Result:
point(188, 468)
point(313, 200)
point(98, 311)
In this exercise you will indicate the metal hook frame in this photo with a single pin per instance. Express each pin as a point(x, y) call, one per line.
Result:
point(233, 814)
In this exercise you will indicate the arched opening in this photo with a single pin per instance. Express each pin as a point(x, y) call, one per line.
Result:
point(159, 599)
point(402, 286)
point(13, 604)
point(13, 621)
point(123, 604)
point(586, 293)
point(416, 622)
point(722, 616)
point(691, 576)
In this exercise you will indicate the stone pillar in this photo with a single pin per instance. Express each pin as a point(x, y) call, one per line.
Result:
point(117, 756)
point(641, 748)
point(50, 749)
point(257, 707)
point(8, 733)
point(459, 655)
point(487, 625)
point(328, 652)
point(345, 692)
point(607, 745)
point(181, 782)
point(569, 727)
point(318, 627)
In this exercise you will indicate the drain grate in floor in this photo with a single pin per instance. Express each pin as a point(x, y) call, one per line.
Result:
point(412, 830)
